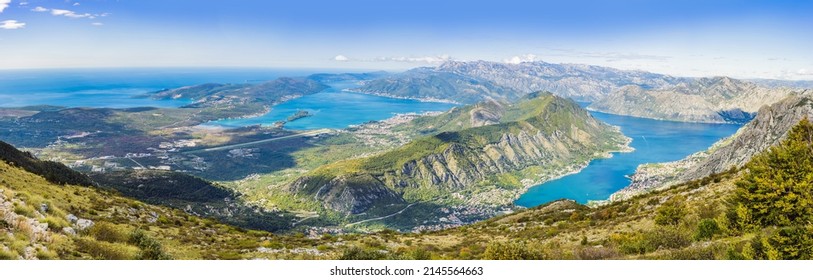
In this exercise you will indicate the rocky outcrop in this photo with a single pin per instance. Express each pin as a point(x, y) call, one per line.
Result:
point(769, 127)
point(766, 130)
point(708, 100)
point(350, 193)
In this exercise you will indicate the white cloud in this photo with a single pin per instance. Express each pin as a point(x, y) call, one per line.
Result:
point(23, 3)
point(76, 4)
point(11, 24)
point(97, 24)
point(804, 72)
point(4, 4)
point(341, 58)
point(520, 59)
point(40, 9)
point(70, 14)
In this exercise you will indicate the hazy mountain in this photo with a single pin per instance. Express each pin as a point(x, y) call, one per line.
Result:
point(793, 84)
point(711, 100)
point(432, 85)
point(469, 82)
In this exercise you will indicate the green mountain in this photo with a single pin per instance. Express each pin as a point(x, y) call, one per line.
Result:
point(758, 212)
point(479, 156)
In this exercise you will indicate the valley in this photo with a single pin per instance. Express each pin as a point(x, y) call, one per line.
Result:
point(431, 152)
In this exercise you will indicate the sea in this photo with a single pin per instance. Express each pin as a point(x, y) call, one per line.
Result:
point(653, 140)
point(339, 107)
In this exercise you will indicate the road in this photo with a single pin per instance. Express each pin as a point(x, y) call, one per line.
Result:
point(380, 218)
point(235, 146)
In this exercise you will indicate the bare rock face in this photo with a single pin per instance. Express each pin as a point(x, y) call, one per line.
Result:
point(770, 127)
point(708, 100)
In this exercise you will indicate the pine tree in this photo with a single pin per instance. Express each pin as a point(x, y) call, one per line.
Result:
point(777, 190)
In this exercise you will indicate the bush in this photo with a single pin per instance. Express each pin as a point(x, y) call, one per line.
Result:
point(356, 253)
point(150, 248)
point(105, 231)
point(706, 229)
point(512, 251)
point(671, 212)
point(106, 250)
point(596, 253)
point(55, 224)
point(8, 255)
point(650, 241)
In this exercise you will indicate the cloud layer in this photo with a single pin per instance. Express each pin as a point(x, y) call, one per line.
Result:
point(11, 24)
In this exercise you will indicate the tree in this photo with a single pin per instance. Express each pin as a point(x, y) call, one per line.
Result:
point(777, 190)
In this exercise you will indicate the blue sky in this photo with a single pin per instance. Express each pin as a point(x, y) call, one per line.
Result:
point(748, 39)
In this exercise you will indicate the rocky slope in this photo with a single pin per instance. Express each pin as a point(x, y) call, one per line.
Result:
point(710, 100)
point(770, 126)
point(470, 82)
point(542, 134)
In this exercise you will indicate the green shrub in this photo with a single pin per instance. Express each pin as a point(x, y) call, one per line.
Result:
point(512, 251)
point(150, 248)
point(105, 231)
point(55, 224)
point(706, 229)
point(106, 250)
point(671, 212)
point(356, 253)
point(8, 255)
point(650, 241)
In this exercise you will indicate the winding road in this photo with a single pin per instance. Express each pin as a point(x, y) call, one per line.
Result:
point(380, 218)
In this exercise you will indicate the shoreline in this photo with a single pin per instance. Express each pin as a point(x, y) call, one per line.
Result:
point(575, 169)
point(425, 100)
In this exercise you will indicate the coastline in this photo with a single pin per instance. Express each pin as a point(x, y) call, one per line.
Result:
point(574, 168)
point(428, 100)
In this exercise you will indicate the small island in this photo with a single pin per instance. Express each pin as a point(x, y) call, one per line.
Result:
point(298, 115)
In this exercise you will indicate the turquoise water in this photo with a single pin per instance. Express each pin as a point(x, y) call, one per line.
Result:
point(115, 88)
point(653, 140)
point(334, 108)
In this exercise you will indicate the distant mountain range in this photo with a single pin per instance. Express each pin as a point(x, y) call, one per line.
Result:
point(710, 100)
point(469, 82)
